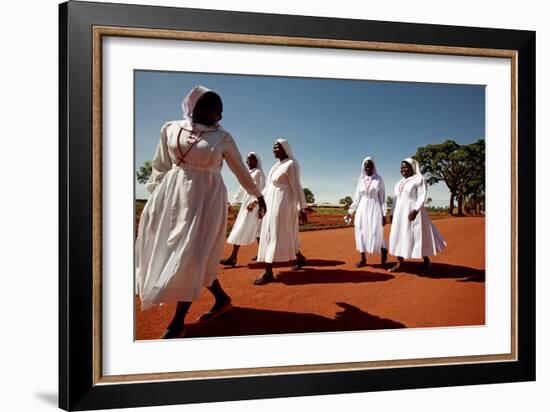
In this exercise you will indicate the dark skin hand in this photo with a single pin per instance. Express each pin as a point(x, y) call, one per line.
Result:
point(407, 171)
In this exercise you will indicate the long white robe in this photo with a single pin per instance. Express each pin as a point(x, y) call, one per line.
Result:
point(284, 198)
point(420, 237)
point(369, 206)
point(248, 225)
point(182, 228)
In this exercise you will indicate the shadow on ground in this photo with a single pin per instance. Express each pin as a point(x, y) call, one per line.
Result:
point(309, 263)
point(308, 275)
point(248, 321)
point(446, 271)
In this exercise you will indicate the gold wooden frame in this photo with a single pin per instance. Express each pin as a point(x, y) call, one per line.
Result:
point(100, 31)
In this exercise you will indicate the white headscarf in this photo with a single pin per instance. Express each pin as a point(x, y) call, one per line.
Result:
point(363, 173)
point(190, 100)
point(259, 161)
point(414, 164)
point(288, 150)
point(260, 168)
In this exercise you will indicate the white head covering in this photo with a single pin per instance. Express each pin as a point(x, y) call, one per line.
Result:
point(190, 100)
point(363, 173)
point(288, 150)
point(257, 156)
point(414, 164)
point(260, 168)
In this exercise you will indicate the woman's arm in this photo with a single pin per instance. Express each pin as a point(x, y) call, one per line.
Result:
point(161, 163)
point(235, 162)
point(293, 173)
point(356, 199)
point(382, 199)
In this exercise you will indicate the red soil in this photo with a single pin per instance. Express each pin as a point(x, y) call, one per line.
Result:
point(331, 294)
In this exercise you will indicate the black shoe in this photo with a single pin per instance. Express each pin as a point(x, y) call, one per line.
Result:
point(265, 279)
point(300, 263)
point(230, 261)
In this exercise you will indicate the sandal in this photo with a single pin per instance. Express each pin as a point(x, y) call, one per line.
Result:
point(214, 314)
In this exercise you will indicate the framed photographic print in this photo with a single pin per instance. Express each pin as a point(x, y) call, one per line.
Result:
point(256, 206)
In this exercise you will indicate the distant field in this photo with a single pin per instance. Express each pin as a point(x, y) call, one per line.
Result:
point(320, 219)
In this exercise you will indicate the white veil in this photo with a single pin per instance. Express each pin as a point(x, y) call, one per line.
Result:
point(363, 173)
point(414, 165)
point(190, 100)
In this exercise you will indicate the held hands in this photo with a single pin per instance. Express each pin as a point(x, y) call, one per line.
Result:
point(413, 215)
point(262, 207)
point(250, 207)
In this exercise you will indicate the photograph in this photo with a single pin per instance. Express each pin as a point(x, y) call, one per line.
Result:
point(285, 205)
point(260, 206)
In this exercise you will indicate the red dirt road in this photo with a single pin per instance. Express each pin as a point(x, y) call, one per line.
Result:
point(331, 294)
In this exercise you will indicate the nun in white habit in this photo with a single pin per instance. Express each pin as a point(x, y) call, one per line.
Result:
point(285, 211)
point(182, 228)
point(413, 235)
point(369, 207)
point(247, 225)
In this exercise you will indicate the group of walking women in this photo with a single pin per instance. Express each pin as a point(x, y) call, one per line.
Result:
point(182, 228)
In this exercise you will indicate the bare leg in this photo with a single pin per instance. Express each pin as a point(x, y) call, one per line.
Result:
point(255, 258)
point(232, 259)
point(384, 257)
point(363, 261)
point(221, 305)
point(426, 265)
point(397, 267)
point(266, 277)
point(176, 327)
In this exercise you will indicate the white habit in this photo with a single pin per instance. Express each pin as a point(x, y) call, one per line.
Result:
point(369, 206)
point(420, 237)
point(284, 198)
point(182, 228)
point(248, 225)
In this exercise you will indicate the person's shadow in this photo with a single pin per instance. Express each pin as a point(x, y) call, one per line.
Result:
point(248, 321)
point(322, 276)
point(446, 271)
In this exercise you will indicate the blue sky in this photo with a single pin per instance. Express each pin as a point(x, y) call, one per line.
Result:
point(332, 125)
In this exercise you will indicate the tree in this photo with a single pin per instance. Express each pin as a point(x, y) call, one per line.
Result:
point(436, 165)
point(310, 198)
point(461, 167)
point(475, 186)
point(346, 201)
point(429, 201)
point(389, 201)
point(144, 172)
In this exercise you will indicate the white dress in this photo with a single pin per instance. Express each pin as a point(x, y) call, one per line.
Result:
point(420, 237)
point(182, 228)
point(284, 198)
point(247, 225)
point(369, 206)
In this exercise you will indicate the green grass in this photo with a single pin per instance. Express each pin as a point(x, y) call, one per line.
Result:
point(330, 211)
